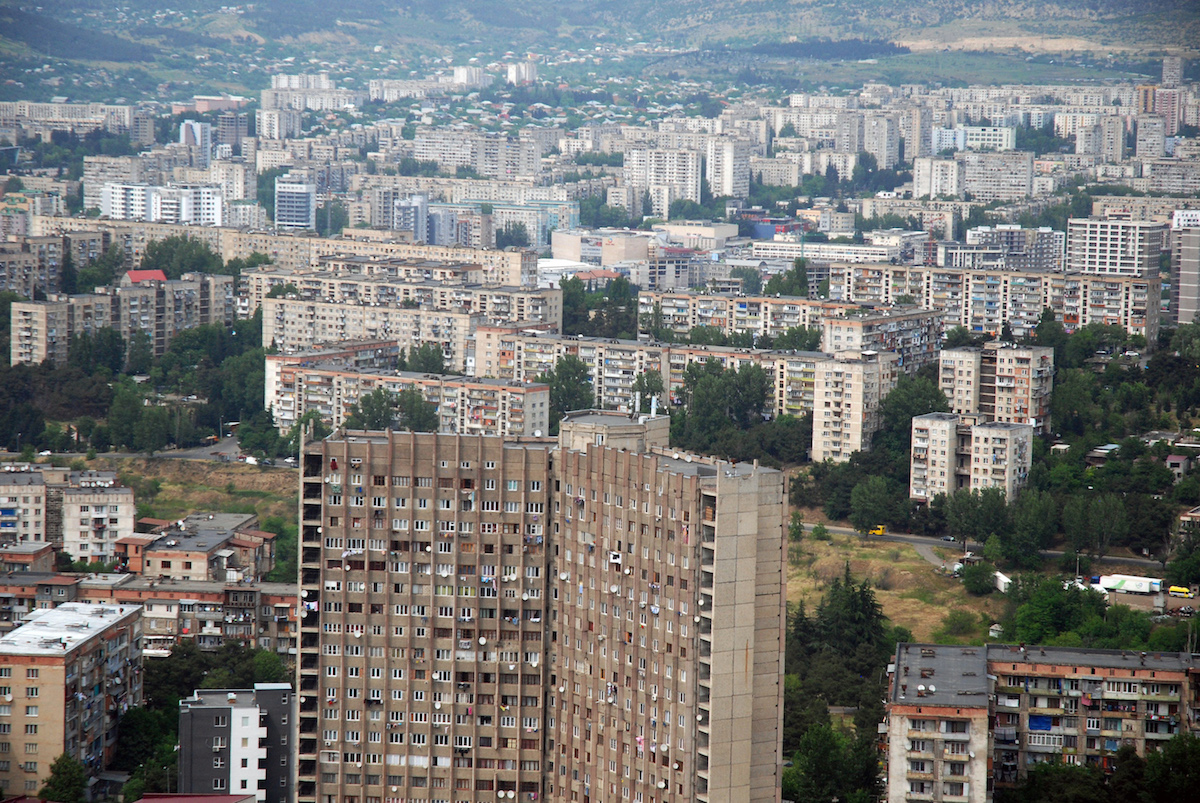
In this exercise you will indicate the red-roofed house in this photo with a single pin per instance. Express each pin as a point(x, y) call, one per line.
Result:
point(138, 276)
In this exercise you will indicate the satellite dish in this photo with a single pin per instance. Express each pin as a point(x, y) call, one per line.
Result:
point(932, 688)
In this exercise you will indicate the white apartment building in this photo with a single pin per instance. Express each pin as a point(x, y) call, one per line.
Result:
point(728, 166)
point(1113, 246)
point(934, 178)
point(277, 123)
point(881, 139)
point(823, 252)
point(295, 204)
point(997, 176)
point(1151, 142)
point(191, 204)
point(23, 503)
point(951, 452)
point(848, 389)
point(668, 175)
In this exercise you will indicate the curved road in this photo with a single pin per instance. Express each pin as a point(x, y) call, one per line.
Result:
point(925, 543)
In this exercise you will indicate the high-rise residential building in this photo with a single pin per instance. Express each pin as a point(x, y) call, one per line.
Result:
point(1024, 249)
point(848, 132)
point(963, 722)
point(667, 174)
point(997, 175)
point(295, 204)
point(934, 178)
point(727, 166)
point(1114, 246)
point(1112, 138)
point(500, 612)
point(412, 214)
point(881, 139)
point(199, 135)
point(1168, 105)
point(192, 204)
point(68, 674)
point(238, 741)
point(232, 128)
point(277, 123)
point(97, 511)
point(1185, 263)
point(1001, 381)
point(916, 128)
point(848, 389)
point(1151, 137)
point(1172, 71)
point(952, 452)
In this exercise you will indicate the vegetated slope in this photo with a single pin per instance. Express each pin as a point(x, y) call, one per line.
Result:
point(51, 37)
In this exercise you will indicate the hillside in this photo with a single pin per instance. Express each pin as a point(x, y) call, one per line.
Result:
point(432, 25)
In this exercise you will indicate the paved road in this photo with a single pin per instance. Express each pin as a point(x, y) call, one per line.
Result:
point(227, 447)
point(928, 542)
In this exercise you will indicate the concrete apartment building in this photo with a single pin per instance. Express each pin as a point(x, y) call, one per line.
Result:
point(475, 406)
point(1024, 249)
point(997, 176)
point(208, 613)
point(674, 568)
point(87, 660)
point(668, 175)
point(983, 300)
point(294, 324)
point(729, 313)
point(847, 391)
point(238, 741)
point(1185, 263)
point(1112, 246)
point(22, 506)
point(963, 721)
point(1003, 382)
point(97, 511)
point(951, 452)
point(913, 334)
point(422, 284)
point(143, 301)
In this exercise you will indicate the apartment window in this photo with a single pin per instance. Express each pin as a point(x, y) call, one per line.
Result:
point(218, 762)
point(220, 721)
point(218, 784)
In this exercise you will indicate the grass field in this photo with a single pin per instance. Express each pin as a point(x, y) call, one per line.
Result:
point(912, 592)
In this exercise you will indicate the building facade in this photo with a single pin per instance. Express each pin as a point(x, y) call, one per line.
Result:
point(489, 687)
point(848, 389)
point(88, 660)
point(238, 741)
point(951, 452)
point(1001, 381)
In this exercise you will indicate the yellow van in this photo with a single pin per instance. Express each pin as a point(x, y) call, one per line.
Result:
point(1180, 591)
point(877, 530)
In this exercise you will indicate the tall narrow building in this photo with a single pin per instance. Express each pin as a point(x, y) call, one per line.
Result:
point(592, 619)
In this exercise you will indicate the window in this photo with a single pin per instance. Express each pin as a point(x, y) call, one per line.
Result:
point(220, 721)
point(218, 762)
point(218, 783)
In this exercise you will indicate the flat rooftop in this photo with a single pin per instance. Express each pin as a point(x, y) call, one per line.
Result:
point(940, 674)
point(56, 631)
point(201, 532)
point(1084, 657)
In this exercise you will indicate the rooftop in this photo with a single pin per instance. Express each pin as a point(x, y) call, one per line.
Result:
point(55, 631)
point(939, 674)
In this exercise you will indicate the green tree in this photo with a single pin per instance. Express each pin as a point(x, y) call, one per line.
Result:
point(646, 386)
point(979, 578)
point(570, 388)
point(375, 410)
point(751, 279)
point(1173, 772)
point(1034, 523)
point(124, 416)
point(792, 283)
point(67, 782)
point(414, 413)
point(141, 353)
point(799, 338)
point(426, 359)
point(179, 254)
point(68, 275)
point(513, 235)
point(283, 290)
point(872, 503)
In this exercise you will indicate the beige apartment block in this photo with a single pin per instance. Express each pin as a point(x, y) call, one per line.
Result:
point(847, 391)
point(733, 313)
point(985, 299)
point(96, 511)
point(951, 452)
point(496, 612)
point(67, 673)
point(913, 334)
point(1001, 381)
point(294, 324)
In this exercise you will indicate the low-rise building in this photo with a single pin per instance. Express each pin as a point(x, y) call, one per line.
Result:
point(204, 546)
point(69, 673)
